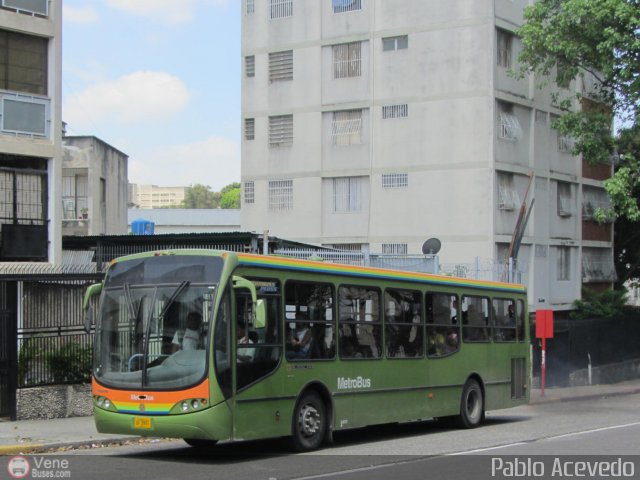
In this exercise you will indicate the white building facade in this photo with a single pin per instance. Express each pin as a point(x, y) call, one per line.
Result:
point(376, 124)
point(30, 130)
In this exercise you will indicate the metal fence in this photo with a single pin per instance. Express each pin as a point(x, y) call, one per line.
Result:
point(53, 347)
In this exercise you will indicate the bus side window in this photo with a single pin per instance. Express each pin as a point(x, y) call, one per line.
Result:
point(403, 324)
point(359, 322)
point(309, 308)
point(475, 319)
point(504, 320)
point(443, 328)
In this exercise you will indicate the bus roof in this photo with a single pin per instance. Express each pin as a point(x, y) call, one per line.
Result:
point(292, 264)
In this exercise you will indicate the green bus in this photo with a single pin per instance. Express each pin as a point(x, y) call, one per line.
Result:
point(210, 345)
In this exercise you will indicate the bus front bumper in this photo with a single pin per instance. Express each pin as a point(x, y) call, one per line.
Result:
point(214, 423)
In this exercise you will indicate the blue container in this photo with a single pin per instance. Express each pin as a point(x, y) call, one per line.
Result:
point(142, 227)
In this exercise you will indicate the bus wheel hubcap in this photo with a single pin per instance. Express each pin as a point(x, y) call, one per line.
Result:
point(473, 404)
point(309, 420)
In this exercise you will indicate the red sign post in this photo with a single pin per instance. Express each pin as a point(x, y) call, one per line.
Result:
point(544, 330)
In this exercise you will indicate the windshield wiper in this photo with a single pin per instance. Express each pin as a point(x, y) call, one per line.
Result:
point(173, 297)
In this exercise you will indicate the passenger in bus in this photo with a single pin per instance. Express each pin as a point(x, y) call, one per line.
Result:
point(189, 338)
point(349, 348)
point(299, 343)
point(244, 354)
point(436, 341)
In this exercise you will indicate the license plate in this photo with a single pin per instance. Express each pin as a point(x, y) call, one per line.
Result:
point(142, 422)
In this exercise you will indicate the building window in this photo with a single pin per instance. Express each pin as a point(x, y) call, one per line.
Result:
point(249, 192)
point(347, 60)
point(565, 201)
point(508, 124)
point(280, 8)
point(281, 66)
point(593, 200)
point(23, 64)
point(597, 265)
point(280, 195)
point(565, 143)
point(505, 45)
point(74, 197)
point(564, 263)
point(250, 66)
point(394, 248)
point(541, 251)
point(346, 127)
point(249, 128)
point(347, 247)
point(346, 194)
point(281, 131)
point(541, 117)
point(250, 7)
point(395, 111)
point(341, 6)
point(38, 7)
point(395, 43)
point(507, 194)
point(395, 180)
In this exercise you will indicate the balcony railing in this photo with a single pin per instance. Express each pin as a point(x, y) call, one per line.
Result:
point(39, 7)
point(22, 114)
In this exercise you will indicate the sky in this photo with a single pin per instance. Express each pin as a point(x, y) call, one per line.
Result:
point(158, 80)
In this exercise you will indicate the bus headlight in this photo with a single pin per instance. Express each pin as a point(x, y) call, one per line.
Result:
point(190, 405)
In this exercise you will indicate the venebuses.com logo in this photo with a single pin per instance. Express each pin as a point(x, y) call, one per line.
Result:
point(18, 467)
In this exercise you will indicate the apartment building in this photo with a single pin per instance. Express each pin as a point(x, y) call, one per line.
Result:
point(153, 196)
point(376, 124)
point(30, 130)
point(94, 187)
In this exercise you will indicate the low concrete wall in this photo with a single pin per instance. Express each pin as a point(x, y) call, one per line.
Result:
point(57, 401)
point(611, 373)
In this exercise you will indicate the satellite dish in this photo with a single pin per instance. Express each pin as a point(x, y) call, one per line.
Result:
point(431, 246)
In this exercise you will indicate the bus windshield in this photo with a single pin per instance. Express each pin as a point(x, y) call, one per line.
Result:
point(152, 330)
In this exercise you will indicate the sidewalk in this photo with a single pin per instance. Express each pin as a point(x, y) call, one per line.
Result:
point(30, 436)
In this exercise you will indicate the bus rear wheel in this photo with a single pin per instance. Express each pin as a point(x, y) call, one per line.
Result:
point(471, 405)
point(309, 423)
point(200, 443)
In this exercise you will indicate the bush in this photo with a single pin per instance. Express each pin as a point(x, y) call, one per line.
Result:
point(607, 304)
point(70, 363)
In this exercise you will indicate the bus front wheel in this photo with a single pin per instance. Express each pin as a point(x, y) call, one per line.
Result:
point(309, 423)
point(471, 405)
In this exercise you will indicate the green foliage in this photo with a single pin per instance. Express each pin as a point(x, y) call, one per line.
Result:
point(201, 196)
point(29, 352)
point(70, 362)
point(607, 304)
point(230, 199)
point(600, 37)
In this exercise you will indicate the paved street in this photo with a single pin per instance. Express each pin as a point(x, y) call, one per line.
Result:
point(605, 426)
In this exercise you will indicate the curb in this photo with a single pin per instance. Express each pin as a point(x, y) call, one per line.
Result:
point(592, 396)
point(31, 448)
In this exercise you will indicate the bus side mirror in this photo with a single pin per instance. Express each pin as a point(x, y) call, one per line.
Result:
point(260, 321)
point(91, 292)
point(88, 319)
point(259, 308)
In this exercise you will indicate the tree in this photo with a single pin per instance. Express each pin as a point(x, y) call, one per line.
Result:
point(230, 199)
point(598, 38)
point(200, 196)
